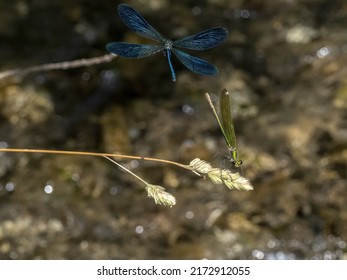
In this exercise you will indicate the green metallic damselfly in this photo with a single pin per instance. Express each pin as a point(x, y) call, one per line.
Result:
point(226, 124)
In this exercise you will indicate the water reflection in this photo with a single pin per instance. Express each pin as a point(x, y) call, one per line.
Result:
point(48, 189)
point(324, 52)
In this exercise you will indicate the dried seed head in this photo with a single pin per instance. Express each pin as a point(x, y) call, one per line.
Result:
point(200, 166)
point(160, 195)
point(220, 176)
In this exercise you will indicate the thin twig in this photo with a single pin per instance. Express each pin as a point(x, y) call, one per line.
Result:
point(59, 65)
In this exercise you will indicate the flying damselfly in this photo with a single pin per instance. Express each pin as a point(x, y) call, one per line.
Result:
point(204, 40)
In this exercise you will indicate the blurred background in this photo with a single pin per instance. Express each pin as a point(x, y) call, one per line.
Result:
point(284, 65)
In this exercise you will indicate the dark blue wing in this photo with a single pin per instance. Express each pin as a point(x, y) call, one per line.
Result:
point(204, 40)
point(195, 64)
point(133, 50)
point(135, 22)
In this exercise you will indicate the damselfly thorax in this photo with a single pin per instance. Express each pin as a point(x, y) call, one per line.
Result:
point(234, 157)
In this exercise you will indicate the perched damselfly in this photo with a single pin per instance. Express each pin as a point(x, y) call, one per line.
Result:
point(226, 124)
point(204, 40)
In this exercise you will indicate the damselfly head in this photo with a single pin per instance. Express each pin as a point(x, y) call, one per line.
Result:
point(167, 44)
point(236, 163)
